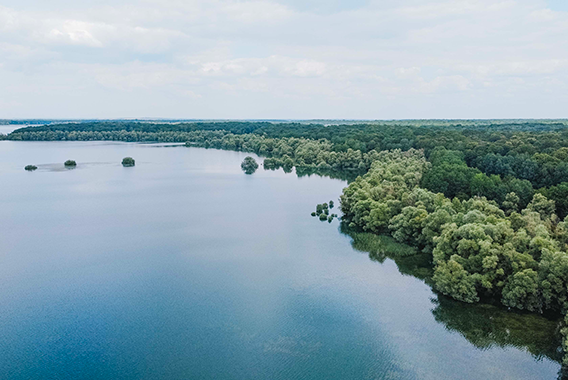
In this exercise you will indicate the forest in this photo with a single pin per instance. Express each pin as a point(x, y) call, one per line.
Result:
point(486, 201)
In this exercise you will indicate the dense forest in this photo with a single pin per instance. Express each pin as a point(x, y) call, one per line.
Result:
point(486, 201)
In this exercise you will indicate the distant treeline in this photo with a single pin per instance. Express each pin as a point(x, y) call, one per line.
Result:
point(469, 158)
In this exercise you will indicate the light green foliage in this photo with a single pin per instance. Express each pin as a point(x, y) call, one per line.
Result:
point(522, 291)
point(511, 203)
point(451, 278)
point(543, 206)
point(477, 250)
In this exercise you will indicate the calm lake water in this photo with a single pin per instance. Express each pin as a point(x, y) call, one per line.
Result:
point(183, 267)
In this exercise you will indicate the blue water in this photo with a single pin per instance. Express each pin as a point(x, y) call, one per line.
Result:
point(183, 267)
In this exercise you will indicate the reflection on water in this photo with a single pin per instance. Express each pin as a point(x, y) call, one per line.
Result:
point(484, 326)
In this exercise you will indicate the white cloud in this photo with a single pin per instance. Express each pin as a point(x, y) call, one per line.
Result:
point(289, 59)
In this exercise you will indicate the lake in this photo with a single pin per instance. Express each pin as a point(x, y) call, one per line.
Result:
point(183, 267)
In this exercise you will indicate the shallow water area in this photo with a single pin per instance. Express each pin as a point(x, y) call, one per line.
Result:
point(183, 267)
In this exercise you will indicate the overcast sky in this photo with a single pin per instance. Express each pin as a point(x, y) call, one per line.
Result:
point(288, 59)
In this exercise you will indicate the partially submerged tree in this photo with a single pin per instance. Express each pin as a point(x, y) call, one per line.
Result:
point(249, 165)
point(70, 163)
point(128, 161)
point(30, 168)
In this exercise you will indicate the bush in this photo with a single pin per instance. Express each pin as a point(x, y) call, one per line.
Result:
point(30, 167)
point(323, 217)
point(128, 161)
point(70, 163)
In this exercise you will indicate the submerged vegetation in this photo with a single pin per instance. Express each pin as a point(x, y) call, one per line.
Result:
point(484, 203)
point(322, 211)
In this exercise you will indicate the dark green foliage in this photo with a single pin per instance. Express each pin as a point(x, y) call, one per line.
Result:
point(331, 204)
point(30, 168)
point(249, 165)
point(314, 214)
point(559, 194)
point(70, 163)
point(128, 161)
point(323, 217)
point(322, 208)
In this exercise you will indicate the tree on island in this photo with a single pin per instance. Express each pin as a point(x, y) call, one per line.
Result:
point(30, 168)
point(70, 163)
point(249, 165)
point(128, 161)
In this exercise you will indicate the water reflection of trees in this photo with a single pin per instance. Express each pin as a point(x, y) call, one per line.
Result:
point(348, 176)
point(485, 326)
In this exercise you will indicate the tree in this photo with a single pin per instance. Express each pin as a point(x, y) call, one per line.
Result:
point(249, 165)
point(30, 168)
point(128, 161)
point(70, 163)
point(522, 291)
point(453, 280)
point(511, 203)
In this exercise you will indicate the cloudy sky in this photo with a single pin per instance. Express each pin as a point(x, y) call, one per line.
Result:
point(284, 59)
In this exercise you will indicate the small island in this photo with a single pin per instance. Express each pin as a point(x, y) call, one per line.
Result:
point(70, 164)
point(128, 161)
point(30, 168)
point(322, 212)
point(249, 165)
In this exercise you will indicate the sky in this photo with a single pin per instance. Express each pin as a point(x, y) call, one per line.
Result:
point(287, 59)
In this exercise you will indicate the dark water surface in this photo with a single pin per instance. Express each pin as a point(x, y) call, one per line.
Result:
point(182, 267)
